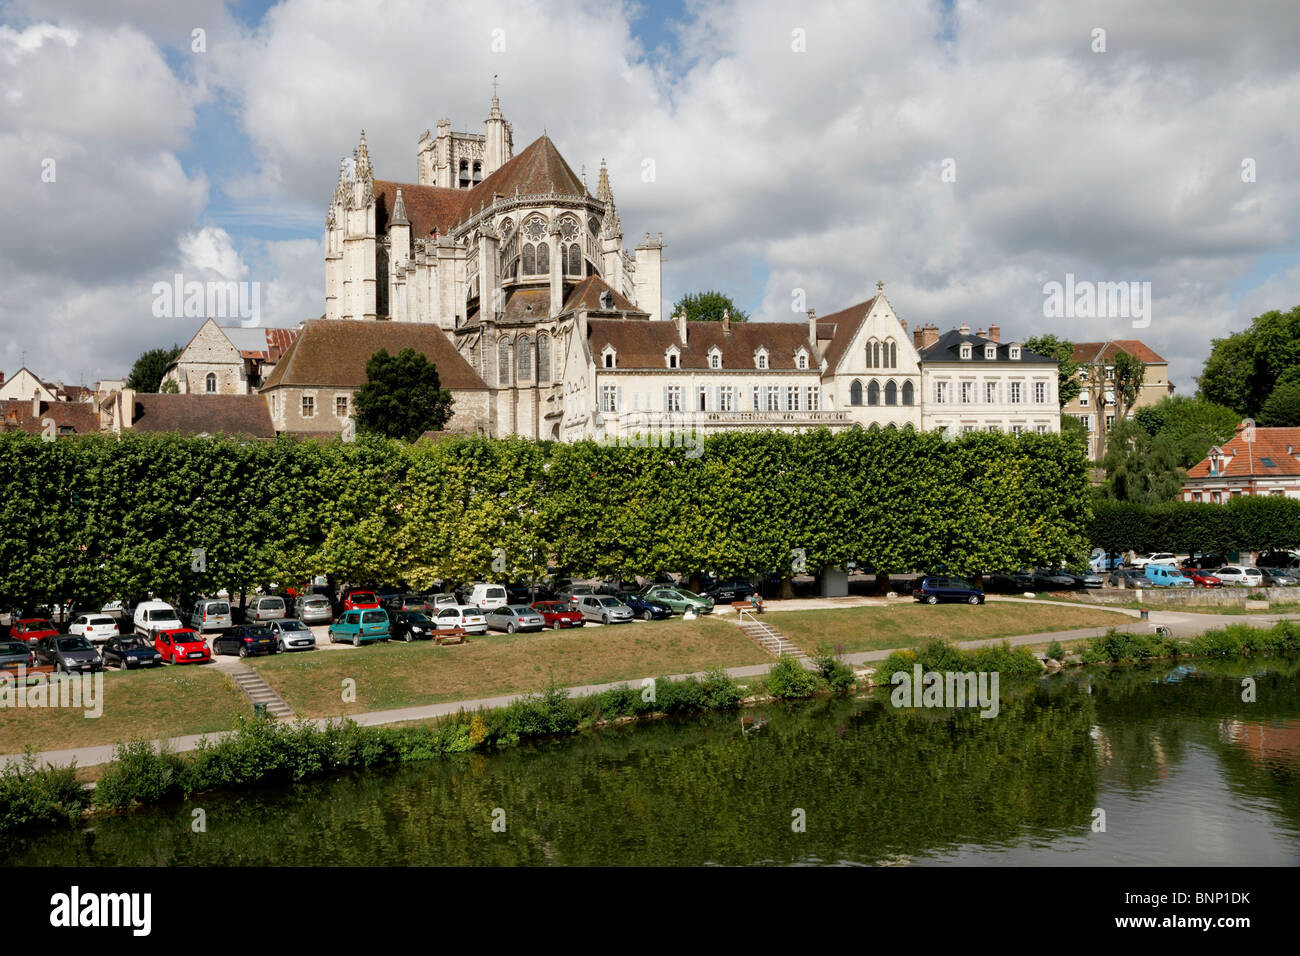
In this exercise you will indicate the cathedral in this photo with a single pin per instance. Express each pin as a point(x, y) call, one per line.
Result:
point(549, 328)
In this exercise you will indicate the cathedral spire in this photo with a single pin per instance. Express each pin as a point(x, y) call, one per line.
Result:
point(362, 175)
point(603, 192)
point(610, 226)
point(362, 156)
point(399, 211)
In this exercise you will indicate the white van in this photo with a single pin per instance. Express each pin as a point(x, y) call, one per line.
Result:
point(269, 607)
point(211, 615)
point(154, 616)
point(485, 597)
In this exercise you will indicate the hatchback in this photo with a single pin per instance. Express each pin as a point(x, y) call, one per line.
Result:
point(678, 599)
point(213, 615)
point(357, 599)
point(411, 625)
point(313, 609)
point(1278, 577)
point(96, 628)
point(1202, 579)
point(646, 609)
point(559, 614)
point(68, 653)
point(292, 635)
point(185, 646)
point(606, 610)
point(469, 619)
point(245, 640)
point(360, 626)
point(932, 590)
point(1236, 574)
point(269, 607)
point(32, 629)
point(15, 654)
point(130, 651)
point(514, 617)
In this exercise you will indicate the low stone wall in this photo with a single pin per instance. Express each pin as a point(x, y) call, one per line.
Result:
point(1209, 597)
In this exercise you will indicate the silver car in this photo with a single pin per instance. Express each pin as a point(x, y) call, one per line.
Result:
point(211, 615)
point(514, 617)
point(292, 635)
point(314, 609)
point(269, 607)
point(606, 610)
point(470, 619)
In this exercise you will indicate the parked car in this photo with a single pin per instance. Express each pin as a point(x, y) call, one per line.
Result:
point(32, 629)
point(14, 654)
point(396, 603)
point(559, 614)
point(96, 628)
point(1127, 578)
point(469, 619)
point(268, 607)
point(1001, 582)
point(211, 615)
point(1282, 560)
point(129, 652)
point(645, 608)
point(1046, 579)
point(360, 626)
point(186, 646)
point(724, 592)
point(1240, 576)
point(313, 609)
point(438, 601)
point(678, 599)
point(153, 616)
point(1082, 580)
point(932, 590)
point(575, 592)
point(359, 599)
point(411, 625)
point(1165, 576)
point(1204, 562)
point(1101, 560)
point(68, 653)
point(615, 584)
point(486, 597)
point(246, 640)
point(1278, 577)
point(1157, 557)
point(603, 608)
point(1203, 579)
point(292, 635)
point(514, 617)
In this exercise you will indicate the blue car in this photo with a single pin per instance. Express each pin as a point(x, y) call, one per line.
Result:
point(932, 590)
point(645, 609)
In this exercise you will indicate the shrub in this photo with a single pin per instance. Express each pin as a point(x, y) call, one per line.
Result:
point(36, 797)
point(837, 675)
point(1056, 651)
point(685, 696)
point(940, 656)
point(788, 680)
point(139, 774)
point(540, 715)
point(721, 692)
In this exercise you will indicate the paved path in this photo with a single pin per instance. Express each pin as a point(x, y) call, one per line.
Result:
point(1182, 624)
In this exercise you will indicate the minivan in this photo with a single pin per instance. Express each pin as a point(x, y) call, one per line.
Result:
point(1165, 576)
point(269, 607)
point(487, 596)
point(213, 615)
point(154, 616)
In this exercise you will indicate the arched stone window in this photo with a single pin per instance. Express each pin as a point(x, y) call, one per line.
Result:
point(524, 352)
point(893, 354)
point(869, 354)
point(891, 393)
point(574, 265)
point(543, 359)
point(503, 361)
point(536, 254)
point(211, 382)
point(855, 393)
point(909, 394)
point(543, 259)
point(529, 259)
point(873, 393)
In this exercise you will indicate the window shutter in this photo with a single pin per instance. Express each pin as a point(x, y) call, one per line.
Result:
point(665, 406)
point(618, 399)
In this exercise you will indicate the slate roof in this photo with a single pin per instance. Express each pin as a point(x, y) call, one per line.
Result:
point(642, 343)
point(948, 349)
point(586, 295)
point(198, 414)
point(332, 352)
point(1248, 458)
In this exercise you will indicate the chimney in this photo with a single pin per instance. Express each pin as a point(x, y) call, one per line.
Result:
point(726, 321)
point(964, 329)
point(982, 333)
point(681, 326)
point(995, 333)
point(812, 326)
point(36, 405)
point(903, 323)
point(926, 335)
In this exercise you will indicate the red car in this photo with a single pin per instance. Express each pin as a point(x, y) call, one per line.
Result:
point(558, 614)
point(183, 646)
point(32, 629)
point(360, 600)
point(1202, 578)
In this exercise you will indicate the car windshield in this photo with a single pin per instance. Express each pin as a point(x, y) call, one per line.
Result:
point(163, 614)
point(128, 643)
point(185, 637)
point(74, 644)
point(39, 625)
point(290, 624)
point(415, 617)
point(522, 611)
point(259, 632)
point(13, 647)
point(690, 595)
point(363, 597)
point(609, 602)
point(374, 617)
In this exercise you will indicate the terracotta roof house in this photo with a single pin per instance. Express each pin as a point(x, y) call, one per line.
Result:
point(36, 417)
point(1255, 461)
point(1095, 405)
point(244, 416)
point(314, 384)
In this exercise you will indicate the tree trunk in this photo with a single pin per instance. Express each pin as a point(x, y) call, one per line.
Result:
point(787, 587)
point(882, 583)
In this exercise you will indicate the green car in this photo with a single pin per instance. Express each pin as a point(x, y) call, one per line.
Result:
point(360, 625)
point(679, 599)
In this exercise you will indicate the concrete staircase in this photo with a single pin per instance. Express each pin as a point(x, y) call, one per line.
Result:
point(769, 638)
point(258, 691)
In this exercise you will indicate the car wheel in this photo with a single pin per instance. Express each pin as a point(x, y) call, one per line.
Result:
point(555, 625)
point(647, 615)
point(510, 628)
point(407, 638)
point(356, 640)
point(604, 619)
point(974, 599)
point(932, 599)
point(243, 651)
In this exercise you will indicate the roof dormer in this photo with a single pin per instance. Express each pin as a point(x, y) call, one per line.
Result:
point(715, 357)
point(761, 358)
point(673, 357)
point(608, 357)
point(965, 351)
point(990, 352)
point(1013, 352)
point(801, 358)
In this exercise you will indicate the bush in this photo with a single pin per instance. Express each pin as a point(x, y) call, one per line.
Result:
point(938, 655)
point(32, 797)
point(139, 774)
point(721, 692)
point(837, 675)
point(788, 680)
point(541, 715)
point(685, 696)
point(1056, 651)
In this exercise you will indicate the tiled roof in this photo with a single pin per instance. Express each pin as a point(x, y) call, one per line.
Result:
point(198, 414)
point(642, 343)
point(948, 349)
point(82, 417)
point(1096, 353)
point(586, 295)
point(332, 352)
point(266, 344)
point(842, 325)
point(1247, 459)
point(429, 208)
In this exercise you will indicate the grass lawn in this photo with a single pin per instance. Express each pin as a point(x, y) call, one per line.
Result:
point(405, 675)
point(908, 625)
point(171, 700)
point(1274, 607)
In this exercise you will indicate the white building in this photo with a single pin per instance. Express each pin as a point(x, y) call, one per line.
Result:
point(224, 360)
point(970, 382)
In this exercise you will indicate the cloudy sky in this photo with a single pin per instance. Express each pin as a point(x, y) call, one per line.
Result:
point(964, 153)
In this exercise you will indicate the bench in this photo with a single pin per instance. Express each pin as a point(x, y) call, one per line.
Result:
point(448, 635)
point(739, 606)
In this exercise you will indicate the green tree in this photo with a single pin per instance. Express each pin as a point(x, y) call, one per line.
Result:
point(1140, 468)
point(708, 307)
point(1066, 368)
point(1192, 424)
point(1282, 410)
point(402, 397)
point(147, 372)
point(1243, 369)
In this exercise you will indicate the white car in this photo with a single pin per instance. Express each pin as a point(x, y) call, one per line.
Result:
point(1159, 557)
point(1241, 576)
point(462, 616)
point(292, 635)
point(485, 597)
point(96, 628)
point(154, 616)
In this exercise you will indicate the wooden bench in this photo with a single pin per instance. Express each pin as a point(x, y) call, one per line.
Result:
point(739, 606)
point(448, 635)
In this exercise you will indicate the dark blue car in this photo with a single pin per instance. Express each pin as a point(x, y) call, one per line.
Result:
point(645, 610)
point(932, 590)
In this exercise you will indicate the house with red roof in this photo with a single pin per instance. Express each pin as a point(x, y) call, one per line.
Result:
point(1256, 461)
point(1095, 405)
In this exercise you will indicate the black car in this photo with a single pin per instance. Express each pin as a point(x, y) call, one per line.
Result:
point(1282, 560)
point(644, 609)
point(130, 651)
point(1009, 583)
point(394, 603)
point(15, 654)
point(1205, 562)
point(68, 653)
point(724, 592)
point(410, 625)
point(932, 590)
point(245, 640)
